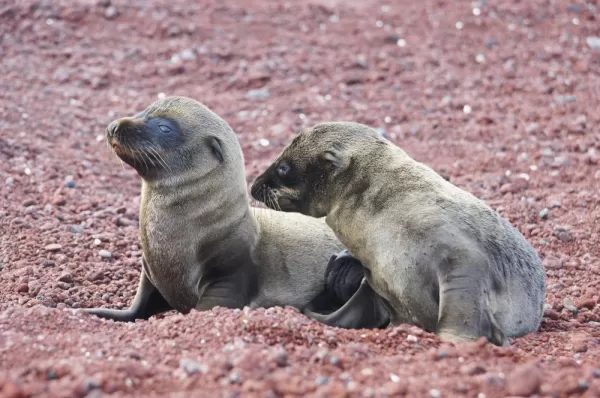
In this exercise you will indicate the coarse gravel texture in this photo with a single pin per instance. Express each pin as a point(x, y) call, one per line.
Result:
point(503, 97)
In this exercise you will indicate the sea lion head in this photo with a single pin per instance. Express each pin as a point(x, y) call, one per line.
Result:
point(314, 166)
point(172, 137)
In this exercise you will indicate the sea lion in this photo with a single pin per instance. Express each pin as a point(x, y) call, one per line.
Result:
point(434, 255)
point(203, 244)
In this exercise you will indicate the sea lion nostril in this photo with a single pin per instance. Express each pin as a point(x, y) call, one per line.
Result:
point(112, 128)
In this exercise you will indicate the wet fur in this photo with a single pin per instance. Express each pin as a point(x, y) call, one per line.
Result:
point(203, 244)
point(439, 257)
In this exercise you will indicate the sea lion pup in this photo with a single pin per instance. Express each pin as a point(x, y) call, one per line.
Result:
point(202, 243)
point(434, 255)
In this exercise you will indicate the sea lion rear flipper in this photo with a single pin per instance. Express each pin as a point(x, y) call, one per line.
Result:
point(365, 310)
point(147, 302)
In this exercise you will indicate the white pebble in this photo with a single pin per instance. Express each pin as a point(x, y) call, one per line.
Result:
point(367, 372)
point(435, 393)
point(99, 138)
point(411, 338)
point(467, 109)
point(575, 21)
point(401, 43)
point(49, 21)
point(334, 19)
point(264, 142)
point(387, 119)
point(105, 254)
point(161, 95)
point(593, 42)
point(379, 24)
point(302, 116)
point(27, 171)
point(459, 25)
point(476, 11)
point(395, 378)
point(97, 242)
point(480, 58)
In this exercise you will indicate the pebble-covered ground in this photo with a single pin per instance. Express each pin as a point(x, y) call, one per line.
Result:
point(503, 97)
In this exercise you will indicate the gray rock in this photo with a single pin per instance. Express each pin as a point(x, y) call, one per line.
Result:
point(259, 94)
point(565, 99)
point(593, 42)
point(191, 366)
point(105, 254)
point(544, 213)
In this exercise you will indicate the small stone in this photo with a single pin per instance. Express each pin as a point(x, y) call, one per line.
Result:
point(259, 94)
point(435, 393)
point(53, 247)
point(49, 263)
point(23, 288)
point(587, 302)
point(235, 377)
point(473, 369)
point(9, 181)
point(77, 229)
point(563, 234)
point(124, 222)
point(532, 128)
point(392, 389)
point(580, 347)
point(63, 285)
point(71, 184)
point(321, 380)
point(367, 372)
point(29, 202)
point(105, 254)
point(569, 304)
point(544, 213)
point(596, 373)
point(97, 242)
point(552, 314)
point(411, 339)
point(524, 381)
point(66, 277)
point(593, 42)
point(565, 99)
point(190, 366)
point(111, 13)
point(280, 357)
point(551, 262)
point(95, 276)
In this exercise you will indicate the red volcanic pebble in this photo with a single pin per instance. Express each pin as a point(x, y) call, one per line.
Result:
point(501, 98)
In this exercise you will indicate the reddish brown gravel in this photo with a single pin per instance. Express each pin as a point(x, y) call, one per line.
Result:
point(503, 97)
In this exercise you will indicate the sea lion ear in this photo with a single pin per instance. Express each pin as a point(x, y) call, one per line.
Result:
point(216, 149)
point(337, 156)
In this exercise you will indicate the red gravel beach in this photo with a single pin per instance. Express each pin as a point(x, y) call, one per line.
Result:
point(502, 97)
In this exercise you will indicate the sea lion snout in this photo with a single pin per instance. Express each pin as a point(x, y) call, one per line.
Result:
point(121, 126)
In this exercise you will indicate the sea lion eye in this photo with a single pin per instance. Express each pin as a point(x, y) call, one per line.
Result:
point(164, 128)
point(283, 169)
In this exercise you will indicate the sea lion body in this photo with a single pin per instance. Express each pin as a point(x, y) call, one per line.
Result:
point(434, 255)
point(203, 245)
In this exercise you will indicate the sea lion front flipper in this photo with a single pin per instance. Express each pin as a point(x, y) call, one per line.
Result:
point(343, 275)
point(365, 310)
point(147, 302)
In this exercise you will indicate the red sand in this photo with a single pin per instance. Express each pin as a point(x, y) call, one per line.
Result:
point(525, 70)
